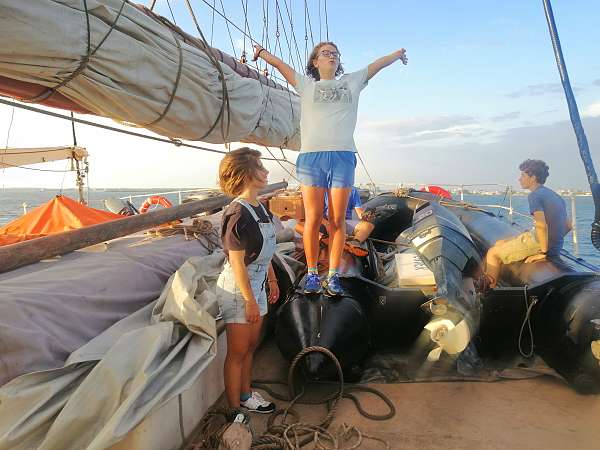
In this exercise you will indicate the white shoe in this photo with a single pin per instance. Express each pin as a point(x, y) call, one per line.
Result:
point(256, 403)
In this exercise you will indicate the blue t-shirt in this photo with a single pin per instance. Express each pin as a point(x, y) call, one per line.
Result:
point(554, 209)
point(353, 202)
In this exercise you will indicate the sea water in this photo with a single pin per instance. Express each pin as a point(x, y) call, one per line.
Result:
point(12, 200)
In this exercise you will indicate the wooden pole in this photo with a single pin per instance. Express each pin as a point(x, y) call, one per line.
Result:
point(28, 252)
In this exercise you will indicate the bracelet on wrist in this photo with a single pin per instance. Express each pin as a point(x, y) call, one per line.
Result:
point(260, 51)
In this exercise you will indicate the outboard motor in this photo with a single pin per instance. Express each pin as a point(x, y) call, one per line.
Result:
point(446, 248)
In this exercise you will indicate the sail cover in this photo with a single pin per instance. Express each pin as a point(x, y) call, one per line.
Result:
point(116, 59)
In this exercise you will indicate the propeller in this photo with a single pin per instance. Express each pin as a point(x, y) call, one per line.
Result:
point(449, 337)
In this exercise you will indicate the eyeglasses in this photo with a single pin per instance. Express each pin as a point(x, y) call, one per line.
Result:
point(329, 54)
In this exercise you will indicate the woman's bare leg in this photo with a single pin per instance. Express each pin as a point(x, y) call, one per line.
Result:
point(247, 364)
point(238, 338)
point(313, 198)
point(338, 202)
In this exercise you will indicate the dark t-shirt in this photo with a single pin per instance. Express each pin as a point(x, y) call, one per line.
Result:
point(553, 206)
point(239, 230)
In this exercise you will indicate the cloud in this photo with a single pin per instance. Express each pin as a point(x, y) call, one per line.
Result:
point(592, 110)
point(504, 117)
point(420, 125)
point(476, 161)
point(596, 82)
point(535, 90)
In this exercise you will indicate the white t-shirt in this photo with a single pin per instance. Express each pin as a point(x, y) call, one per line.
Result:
point(328, 111)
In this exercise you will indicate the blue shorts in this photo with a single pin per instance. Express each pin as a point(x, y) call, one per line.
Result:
point(333, 169)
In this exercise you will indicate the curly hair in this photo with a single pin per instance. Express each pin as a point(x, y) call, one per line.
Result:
point(237, 169)
point(311, 70)
point(537, 168)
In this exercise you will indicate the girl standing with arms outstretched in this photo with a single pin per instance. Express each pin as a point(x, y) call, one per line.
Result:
point(327, 157)
point(249, 242)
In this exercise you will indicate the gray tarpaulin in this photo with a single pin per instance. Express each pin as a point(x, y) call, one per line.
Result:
point(110, 384)
point(132, 75)
point(50, 309)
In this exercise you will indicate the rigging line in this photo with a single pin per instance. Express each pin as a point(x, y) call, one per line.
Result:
point(216, 64)
point(242, 31)
point(326, 23)
point(212, 26)
point(62, 183)
point(152, 5)
point(278, 41)
point(281, 165)
point(365, 168)
point(172, 15)
point(312, 39)
point(33, 168)
point(174, 142)
point(61, 149)
point(305, 33)
point(320, 22)
point(233, 24)
point(246, 26)
point(228, 30)
point(289, 14)
point(290, 51)
point(12, 116)
point(73, 130)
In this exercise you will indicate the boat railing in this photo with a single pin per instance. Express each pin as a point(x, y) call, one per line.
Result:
point(179, 194)
point(509, 192)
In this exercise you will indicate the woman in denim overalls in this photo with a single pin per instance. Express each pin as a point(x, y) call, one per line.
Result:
point(241, 288)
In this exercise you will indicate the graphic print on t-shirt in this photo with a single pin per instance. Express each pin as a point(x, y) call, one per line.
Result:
point(335, 94)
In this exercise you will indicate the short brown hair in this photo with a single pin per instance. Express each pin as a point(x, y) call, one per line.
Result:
point(537, 168)
point(237, 169)
point(311, 70)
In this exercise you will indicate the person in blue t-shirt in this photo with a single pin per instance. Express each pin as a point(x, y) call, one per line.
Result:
point(551, 224)
point(354, 204)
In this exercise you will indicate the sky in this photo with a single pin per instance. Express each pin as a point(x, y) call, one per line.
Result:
point(480, 94)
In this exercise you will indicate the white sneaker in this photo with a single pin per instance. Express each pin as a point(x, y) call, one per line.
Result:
point(256, 403)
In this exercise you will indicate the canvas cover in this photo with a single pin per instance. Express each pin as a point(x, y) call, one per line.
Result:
point(50, 309)
point(110, 384)
point(59, 214)
point(138, 71)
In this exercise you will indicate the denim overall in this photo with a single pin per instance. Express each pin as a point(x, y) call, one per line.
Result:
point(233, 305)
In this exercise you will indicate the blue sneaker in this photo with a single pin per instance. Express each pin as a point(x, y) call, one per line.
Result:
point(333, 286)
point(312, 284)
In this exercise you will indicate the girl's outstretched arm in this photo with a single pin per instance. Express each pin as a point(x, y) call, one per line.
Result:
point(285, 70)
point(385, 61)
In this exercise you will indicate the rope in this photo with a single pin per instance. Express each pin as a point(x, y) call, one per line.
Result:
point(171, 11)
point(326, 23)
point(527, 322)
point(174, 142)
point(366, 171)
point(228, 30)
point(280, 436)
point(281, 165)
point(202, 230)
point(83, 63)
point(225, 102)
point(289, 14)
point(33, 168)
point(175, 85)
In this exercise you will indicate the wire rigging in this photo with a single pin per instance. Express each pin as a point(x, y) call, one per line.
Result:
point(174, 142)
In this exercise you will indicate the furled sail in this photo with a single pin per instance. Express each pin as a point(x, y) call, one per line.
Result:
point(119, 60)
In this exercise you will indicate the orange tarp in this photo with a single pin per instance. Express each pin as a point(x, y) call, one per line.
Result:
point(59, 214)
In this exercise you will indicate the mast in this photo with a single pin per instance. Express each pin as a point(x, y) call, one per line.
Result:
point(584, 150)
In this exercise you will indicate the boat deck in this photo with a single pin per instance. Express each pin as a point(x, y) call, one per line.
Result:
point(536, 413)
